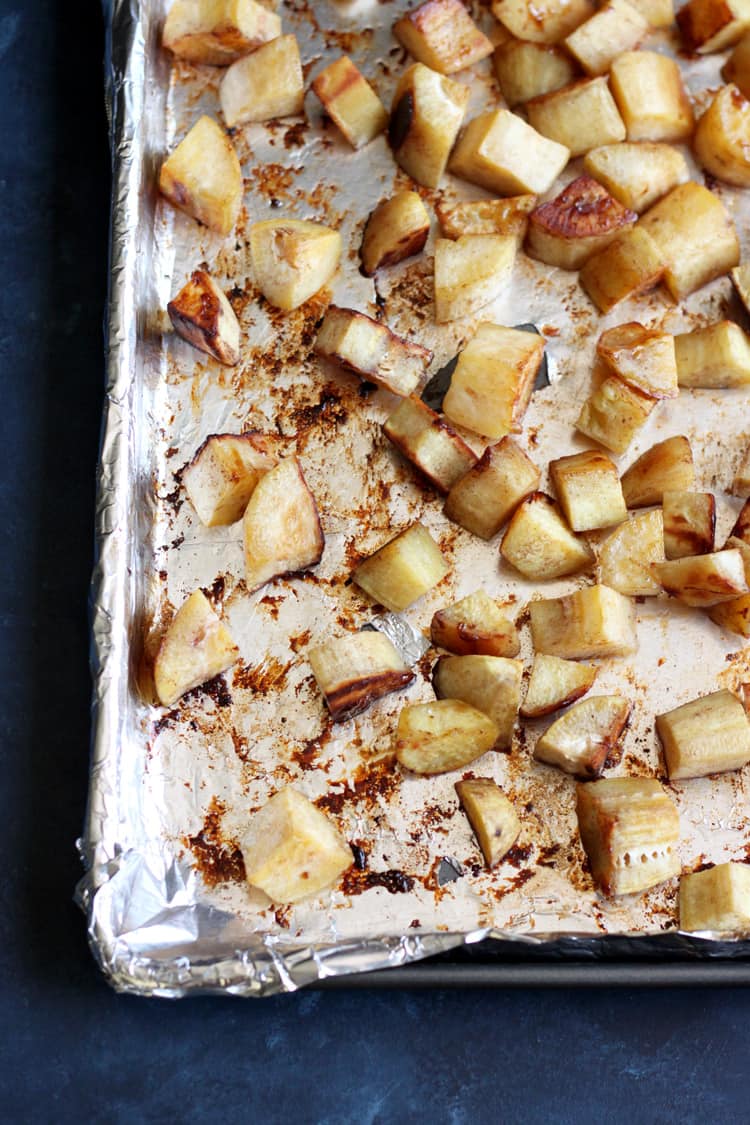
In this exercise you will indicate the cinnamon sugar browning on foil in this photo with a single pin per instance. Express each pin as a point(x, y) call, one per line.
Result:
point(218, 860)
point(379, 780)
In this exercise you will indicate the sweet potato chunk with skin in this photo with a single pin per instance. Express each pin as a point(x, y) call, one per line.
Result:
point(629, 266)
point(615, 28)
point(475, 626)
point(716, 900)
point(396, 229)
point(722, 138)
point(441, 736)
point(637, 174)
point(715, 356)
point(426, 114)
point(350, 102)
point(527, 70)
point(471, 272)
point(492, 684)
point(223, 475)
point(591, 622)
point(666, 466)
point(555, 683)
point(293, 259)
point(442, 35)
point(579, 222)
point(487, 216)
point(630, 831)
point(491, 815)
point(614, 413)
point(282, 529)
point(643, 358)
point(371, 350)
point(202, 315)
point(430, 443)
point(539, 544)
point(704, 580)
point(502, 153)
point(202, 177)
point(493, 380)
point(711, 25)
point(707, 735)
point(695, 237)
point(651, 97)
point(291, 850)
point(265, 85)
point(353, 671)
point(625, 556)
point(403, 569)
point(588, 488)
point(581, 740)
point(196, 647)
point(689, 523)
point(737, 67)
point(217, 32)
point(483, 499)
point(581, 116)
point(542, 21)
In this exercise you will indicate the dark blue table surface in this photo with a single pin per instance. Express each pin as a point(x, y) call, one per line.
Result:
point(70, 1048)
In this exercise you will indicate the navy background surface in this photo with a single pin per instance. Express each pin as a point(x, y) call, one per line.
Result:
point(69, 1048)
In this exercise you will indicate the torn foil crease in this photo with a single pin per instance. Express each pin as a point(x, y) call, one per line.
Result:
point(156, 925)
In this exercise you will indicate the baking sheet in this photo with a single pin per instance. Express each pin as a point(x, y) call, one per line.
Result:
point(173, 789)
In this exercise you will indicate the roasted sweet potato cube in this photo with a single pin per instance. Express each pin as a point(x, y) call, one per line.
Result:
point(430, 443)
point(626, 556)
point(487, 216)
point(579, 222)
point(217, 32)
point(555, 683)
point(202, 315)
point(502, 153)
point(371, 350)
point(643, 358)
point(483, 499)
point(581, 116)
point(707, 735)
point(355, 670)
point(715, 356)
point(492, 684)
point(704, 580)
point(403, 569)
point(426, 114)
point(542, 21)
point(712, 25)
point(592, 622)
point(442, 35)
point(651, 97)
point(666, 466)
point(689, 523)
point(350, 102)
point(223, 474)
point(202, 177)
point(396, 229)
point(491, 815)
point(632, 264)
point(581, 740)
point(614, 413)
point(716, 899)
point(615, 28)
point(470, 272)
point(527, 70)
point(588, 487)
point(444, 735)
point(475, 625)
point(267, 84)
point(637, 174)
point(539, 543)
point(281, 526)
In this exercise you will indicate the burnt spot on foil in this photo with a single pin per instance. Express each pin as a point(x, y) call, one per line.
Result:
point(356, 881)
point(218, 859)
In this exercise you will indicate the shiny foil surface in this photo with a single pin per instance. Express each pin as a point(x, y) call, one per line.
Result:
point(172, 790)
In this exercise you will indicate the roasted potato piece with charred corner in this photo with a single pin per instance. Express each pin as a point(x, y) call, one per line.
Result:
point(371, 350)
point(704, 580)
point(426, 114)
point(637, 174)
point(293, 259)
point(579, 222)
point(282, 531)
point(707, 735)
point(593, 622)
point(737, 67)
point(492, 684)
point(483, 499)
point(265, 85)
point(643, 358)
point(217, 33)
point(491, 815)
point(502, 153)
point(625, 556)
point(695, 237)
point(201, 314)
point(195, 647)
point(615, 28)
point(539, 544)
point(396, 229)
point(202, 177)
point(689, 523)
point(353, 671)
point(223, 474)
point(430, 443)
point(555, 683)
point(588, 488)
point(717, 899)
point(492, 382)
point(470, 272)
point(580, 117)
point(475, 626)
point(403, 569)
point(711, 25)
point(716, 356)
point(630, 831)
point(350, 102)
point(651, 98)
point(542, 21)
point(581, 740)
point(631, 264)
point(722, 138)
point(487, 216)
point(445, 735)
point(527, 70)
point(291, 850)
point(666, 466)
point(442, 35)
point(614, 413)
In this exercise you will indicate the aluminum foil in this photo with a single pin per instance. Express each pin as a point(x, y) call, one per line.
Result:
point(172, 790)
